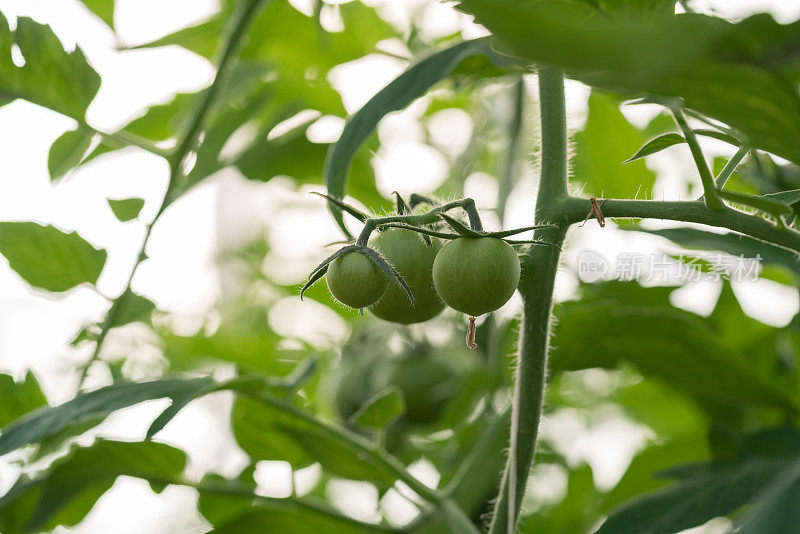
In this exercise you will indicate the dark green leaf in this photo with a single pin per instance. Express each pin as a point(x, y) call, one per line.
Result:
point(50, 77)
point(131, 308)
point(769, 205)
point(68, 490)
point(68, 151)
point(48, 258)
point(126, 209)
point(704, 491)
point(19, 398)
point(777, 507)
point(95, 405)
point(381, 409)
point(743, 74)
point(409, 86)
point(786, 197)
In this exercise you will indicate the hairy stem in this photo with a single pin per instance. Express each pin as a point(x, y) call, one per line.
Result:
point(575, 209)
point(233, 38)
point(536, 285)
point(710, 192)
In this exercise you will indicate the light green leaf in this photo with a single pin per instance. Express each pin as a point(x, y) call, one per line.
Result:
point(409, 86)
point(68, 490)
point(291, 516)
point(95, 405)
point(68, 151)
point(381, 409)
point(103, 9)
point(51, 77)
point(661, 142)
point(126, 209)
point(602, 147)
point(19, 398)
point(48, 258)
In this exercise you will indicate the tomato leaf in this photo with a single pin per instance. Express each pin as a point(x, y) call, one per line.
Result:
point(68, 151)
point(381, 409)
point(48, 258)
point(19, 398)
point(126, 209)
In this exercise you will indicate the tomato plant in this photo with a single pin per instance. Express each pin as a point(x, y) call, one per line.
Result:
point(665, 408)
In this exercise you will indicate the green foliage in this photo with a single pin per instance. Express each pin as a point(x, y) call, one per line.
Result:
point(50, 77)
point(126, 209)
point(381, 409)
point(19, 398)
point(718, 68)
point(68, 151)
point(93, 406)
point(48, 258)
point(599, 163)
point(412, 84)
point(68, 490)
point(103, 9)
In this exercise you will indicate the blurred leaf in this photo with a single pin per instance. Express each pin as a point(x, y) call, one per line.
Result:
point(572, 514)
point(776, 508)
point(381, 409)
point(95, 405)
point(730, 243)
point(743, 74)
point(48, 258)
point(698, 362)
point(603, 145)
point(291, 516)
point(703, 492)
point(19, 398)
point(68, 151)
point(68, 490)
point(126, 209)
point(267, 433)
point(51, 77)
point(409, 86)
point(103, 9)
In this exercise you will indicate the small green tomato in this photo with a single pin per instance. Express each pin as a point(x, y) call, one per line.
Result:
point(355, 281)
point(407, 252)
point(476, 275)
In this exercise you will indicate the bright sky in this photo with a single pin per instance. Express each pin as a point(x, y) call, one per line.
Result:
point(180, 276)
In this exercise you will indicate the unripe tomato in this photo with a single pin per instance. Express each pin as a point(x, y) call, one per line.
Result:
point(355, 281)
point(407, 252)
point(476, 275)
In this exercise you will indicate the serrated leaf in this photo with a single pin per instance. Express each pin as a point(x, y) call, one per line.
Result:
point(381, 409)
point(19, 398)
point(409, 86)
point(51, 77)
point(68, 151)
point(95, 405)
point(48, 258)
point(68, 490)
point(126, 209)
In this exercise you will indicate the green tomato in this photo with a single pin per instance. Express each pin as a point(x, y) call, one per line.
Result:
point(476, 275)
point(427, 385)
point(355, 281)
point(407, 252)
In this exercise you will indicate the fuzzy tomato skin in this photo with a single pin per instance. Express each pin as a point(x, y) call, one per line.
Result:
point(407, 252)
point(355, 281)
point(476, 275)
